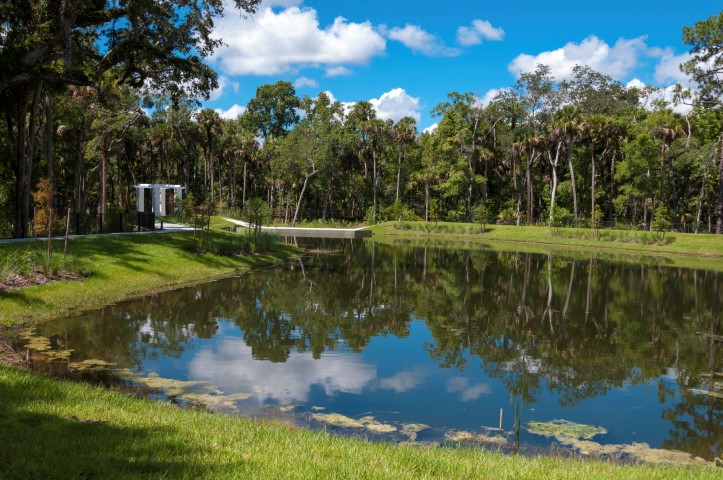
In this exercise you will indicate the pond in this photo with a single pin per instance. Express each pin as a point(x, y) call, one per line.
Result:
point(431, 343)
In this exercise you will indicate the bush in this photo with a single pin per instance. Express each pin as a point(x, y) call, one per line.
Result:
point(661, 222)
point(481, 215)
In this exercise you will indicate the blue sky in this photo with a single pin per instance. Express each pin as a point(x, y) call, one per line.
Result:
point(405, 56)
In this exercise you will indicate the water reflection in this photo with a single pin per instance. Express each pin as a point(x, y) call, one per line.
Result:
point(443, 336)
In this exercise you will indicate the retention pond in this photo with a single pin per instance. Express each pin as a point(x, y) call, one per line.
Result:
point(430, 344)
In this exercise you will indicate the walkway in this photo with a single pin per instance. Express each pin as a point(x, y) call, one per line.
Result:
point(167, 228)
point(301, 232)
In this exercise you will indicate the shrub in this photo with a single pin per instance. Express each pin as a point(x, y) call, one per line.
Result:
point(661, 222)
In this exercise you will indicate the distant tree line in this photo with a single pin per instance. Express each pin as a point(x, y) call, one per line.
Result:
point(94, 107)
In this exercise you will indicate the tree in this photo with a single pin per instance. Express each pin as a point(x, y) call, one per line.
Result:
point(157, 45)
point(272, 112)
point(706, 68)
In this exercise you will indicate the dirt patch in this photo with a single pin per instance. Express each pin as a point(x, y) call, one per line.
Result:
point(15, 282)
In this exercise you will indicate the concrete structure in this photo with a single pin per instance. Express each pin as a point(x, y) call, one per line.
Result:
point(301, 232)
point(158, 197)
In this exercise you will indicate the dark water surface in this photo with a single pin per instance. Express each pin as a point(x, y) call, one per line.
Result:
point(444, 337)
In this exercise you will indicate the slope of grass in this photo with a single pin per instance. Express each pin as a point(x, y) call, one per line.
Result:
point(58, 429)
point(124, 266)
point(678, 249)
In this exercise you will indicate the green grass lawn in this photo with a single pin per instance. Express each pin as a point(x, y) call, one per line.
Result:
point(121, 267)
point(677, 249)
point(59, 429)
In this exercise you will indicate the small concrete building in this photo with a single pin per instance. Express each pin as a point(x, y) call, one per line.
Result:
point(158, 197)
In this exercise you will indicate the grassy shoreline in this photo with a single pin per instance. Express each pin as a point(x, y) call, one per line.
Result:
point(106, 434)
point(125, 267)
point(685, 250)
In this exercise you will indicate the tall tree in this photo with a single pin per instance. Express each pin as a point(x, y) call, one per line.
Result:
point(706, 68)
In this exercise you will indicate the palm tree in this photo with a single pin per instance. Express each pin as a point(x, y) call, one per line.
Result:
point(569, 125)
point(210, 122)
point(403, 133)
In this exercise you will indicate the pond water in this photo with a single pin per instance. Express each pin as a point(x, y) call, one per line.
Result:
point(432, 343)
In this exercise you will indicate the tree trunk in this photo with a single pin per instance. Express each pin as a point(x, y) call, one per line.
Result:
point(426, 200)
point(553, 192)
point(374, 180)
point(301, 194)
point(612, 184)
point(528, 179)
point(572, 179)
point(719, 223)
point(399, 173)
point(103, 172)
point(21, 114)
point(79, 164)
point(49, 144)
point(243, 194)
point(592, 184)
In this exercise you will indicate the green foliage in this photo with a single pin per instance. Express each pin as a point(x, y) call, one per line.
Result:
point(661, 221)
point(257, 213)
point(187, 210)
point(397, 212)
point(561, 217)
point(481, 214)
point(597, 219)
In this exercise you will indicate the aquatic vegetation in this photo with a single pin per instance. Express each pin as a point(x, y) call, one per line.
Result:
point(90, 365)
point(462, 436)
point(287, 408)
point(216, 402)
point(564, 429)
point(43, 346)
point(368, 422)
point(410, 430)
point(641, 452)
point(172, 388)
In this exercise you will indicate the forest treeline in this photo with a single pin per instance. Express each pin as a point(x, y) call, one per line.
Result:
point(95, 109)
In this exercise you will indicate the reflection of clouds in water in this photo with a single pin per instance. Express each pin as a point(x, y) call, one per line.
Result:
point(404, 381)
point(461, 385)
point(232, 368)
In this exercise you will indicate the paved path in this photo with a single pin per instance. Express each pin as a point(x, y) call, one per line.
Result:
point(167, 228)
point(310, 232)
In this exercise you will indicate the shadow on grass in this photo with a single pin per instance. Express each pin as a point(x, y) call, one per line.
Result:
point(39, 443)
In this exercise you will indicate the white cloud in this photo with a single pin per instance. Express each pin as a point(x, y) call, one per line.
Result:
point(230, 366)
point(479, 31)
point(346, 106)
point(280, 3)
point(396, 104)
point(338, 71)
point(404, 381)
point(461, 385)
point(666, 94)
point(232, 112)
point(668, 69)
point(617, 61)
point(223, 83)
point(273, 42)
point(303, 82)
point(432, 128)
point(489, 96)
point(419, 40)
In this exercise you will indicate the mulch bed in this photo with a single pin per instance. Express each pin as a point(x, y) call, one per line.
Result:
point(17, 282)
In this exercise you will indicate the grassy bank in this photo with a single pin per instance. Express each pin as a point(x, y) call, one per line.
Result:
point(676, 249)
point(119, 267)
point(57, 429)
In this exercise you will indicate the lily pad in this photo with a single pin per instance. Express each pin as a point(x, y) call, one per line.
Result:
point(638, 451)
point(564, 429)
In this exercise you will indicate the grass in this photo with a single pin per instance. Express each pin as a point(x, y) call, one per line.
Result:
point(53, 428)
point(124, 266)
point(681, 249)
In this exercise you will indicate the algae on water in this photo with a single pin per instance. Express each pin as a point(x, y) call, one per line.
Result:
point(564, 428)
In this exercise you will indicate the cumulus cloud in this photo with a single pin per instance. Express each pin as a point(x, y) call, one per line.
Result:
point(404, 381)
point(234, 112)
point(396, 104)
point(479, 30)
point(338, 71)
point(274, 42)
point(305, 82)
point(617, 61)
point(419, 40)
point(467, 392)
point(223, 83)
point(432, 128)
point(668, 69)
point(667, 94)
point(231, 367)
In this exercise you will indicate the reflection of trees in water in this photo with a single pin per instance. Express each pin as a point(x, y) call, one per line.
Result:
point(577, 327)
